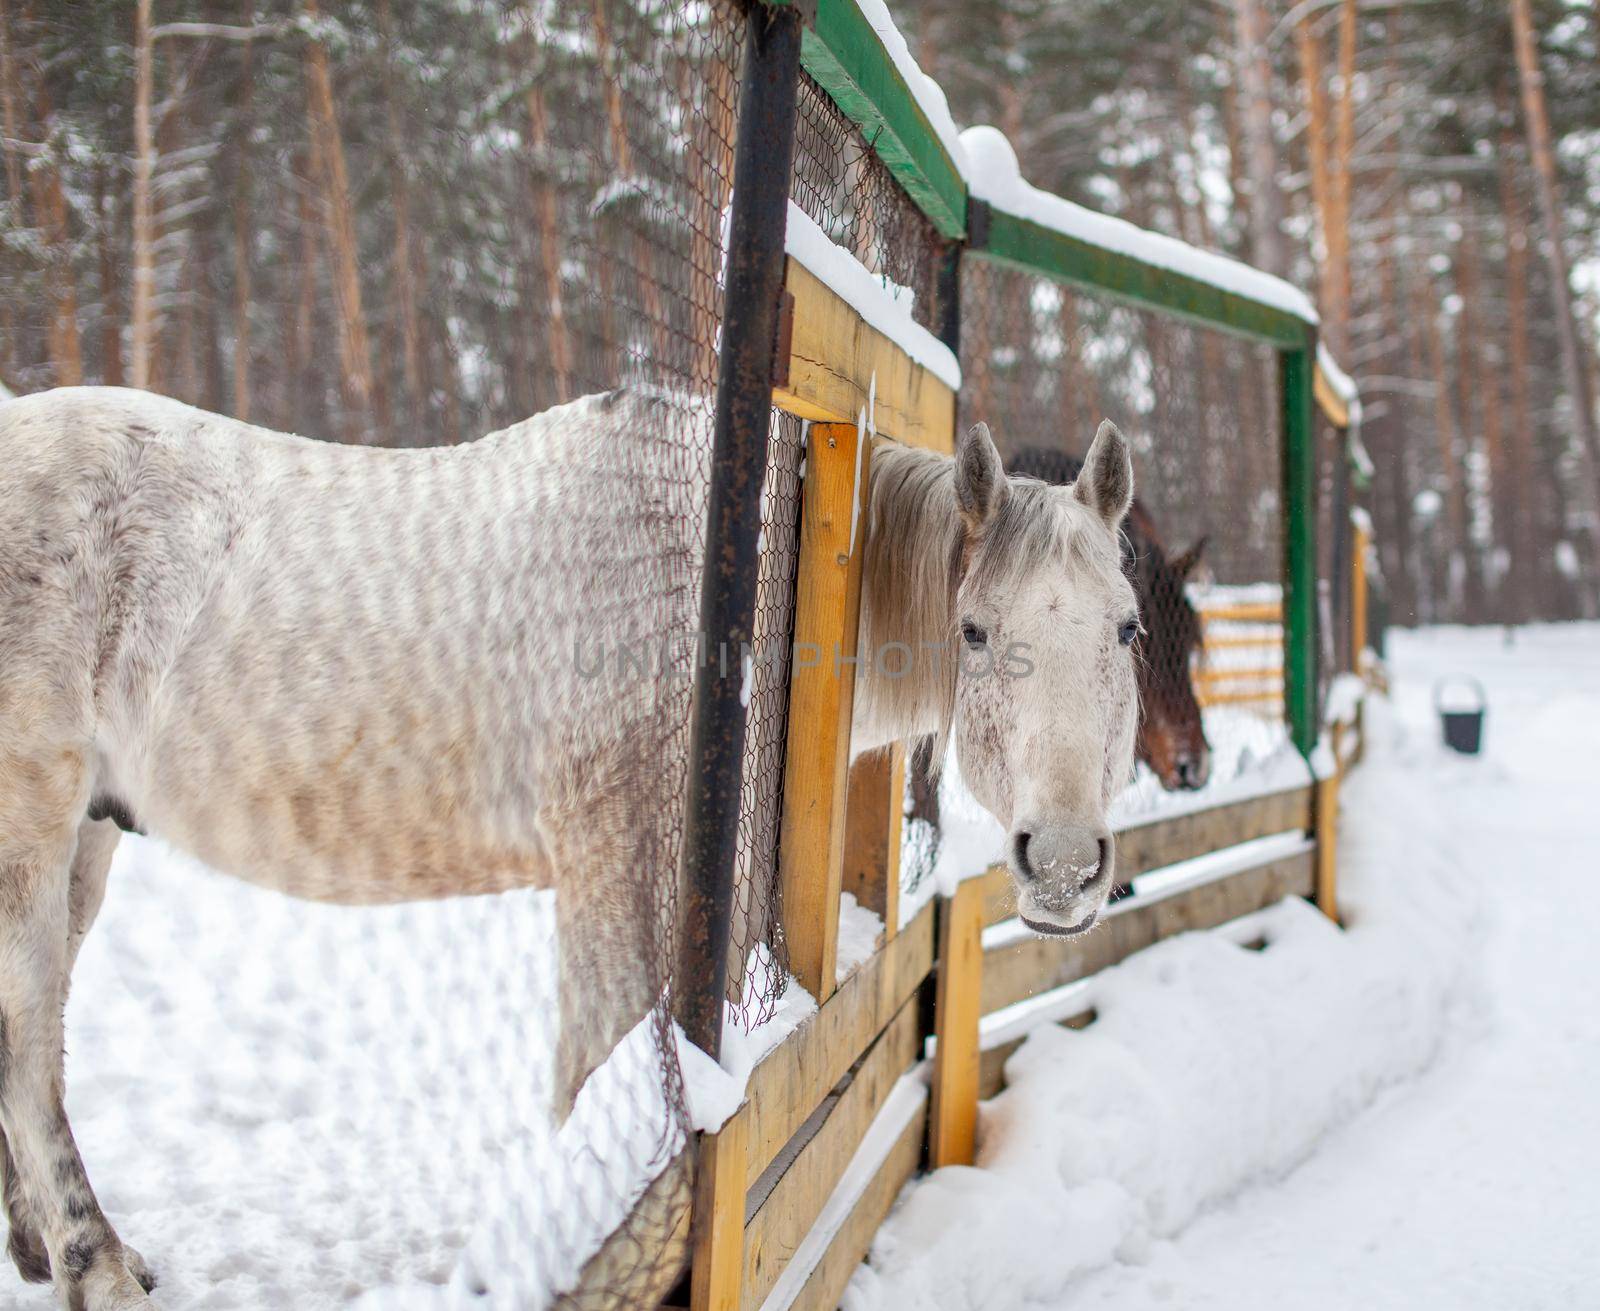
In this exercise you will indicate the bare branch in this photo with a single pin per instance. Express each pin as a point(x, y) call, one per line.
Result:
point(218, 31)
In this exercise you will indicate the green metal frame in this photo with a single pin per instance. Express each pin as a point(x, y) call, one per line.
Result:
point(1026, 245)
point(1299, 545)
point(843, 53)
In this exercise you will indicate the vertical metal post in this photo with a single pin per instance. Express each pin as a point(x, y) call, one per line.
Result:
point(763, 150)
point(1300, 547)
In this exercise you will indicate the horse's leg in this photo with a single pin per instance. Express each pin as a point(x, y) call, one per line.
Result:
point(97, 843)
point(38, 850)
point(606, 982)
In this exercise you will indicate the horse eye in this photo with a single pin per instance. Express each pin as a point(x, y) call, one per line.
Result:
point(1128, 632)
point(972, 635)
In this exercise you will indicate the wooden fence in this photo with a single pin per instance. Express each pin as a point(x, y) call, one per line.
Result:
point(885, 1077)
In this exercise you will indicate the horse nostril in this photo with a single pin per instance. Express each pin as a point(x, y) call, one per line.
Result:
point(1020, 847)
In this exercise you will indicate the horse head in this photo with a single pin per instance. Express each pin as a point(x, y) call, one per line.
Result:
point(1172, 738)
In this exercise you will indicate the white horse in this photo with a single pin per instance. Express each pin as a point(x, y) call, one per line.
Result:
point(351, 675)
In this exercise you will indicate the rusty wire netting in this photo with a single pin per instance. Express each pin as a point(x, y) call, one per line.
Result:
point(1043, 363)
point(848, 191)
point(406, 224)
point(757, 962)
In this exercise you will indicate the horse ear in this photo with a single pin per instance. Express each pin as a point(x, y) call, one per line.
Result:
point(981, 486)
point(1105, 484)
point(1186, 562)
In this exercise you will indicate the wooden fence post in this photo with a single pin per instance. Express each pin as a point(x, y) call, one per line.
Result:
point(874, 814)
point(1358, 591)
point(833, 533)
point(716, 1280)
point(1326, 815)
point(953, 1122)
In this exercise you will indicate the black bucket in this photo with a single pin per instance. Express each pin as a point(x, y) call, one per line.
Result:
point(1463, 729)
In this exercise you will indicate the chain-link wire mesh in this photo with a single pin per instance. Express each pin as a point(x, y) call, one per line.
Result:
point(848, 191)
point(757, 963)
point(1043, 363)
point(404, 224)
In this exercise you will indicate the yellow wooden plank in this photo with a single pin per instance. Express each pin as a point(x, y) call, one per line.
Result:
point(1334, 406)
point(1034, 965)
point(1211, 677)
point(953, 1128)
point(821, 696)
point(837, 362)
point(716, 1277)
point(1245, 612)
point(1360, 542)
point(873, 818)
point(794, 1078)
point(828, 1278)
point(1267, 697)
point(787, 1213)
point(1327, 885)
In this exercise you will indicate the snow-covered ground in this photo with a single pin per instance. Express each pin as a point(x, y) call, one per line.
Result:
point(1403, 1115)
point(291, 1107)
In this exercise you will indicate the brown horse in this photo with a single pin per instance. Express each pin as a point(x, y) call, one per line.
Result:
point(1172, 739)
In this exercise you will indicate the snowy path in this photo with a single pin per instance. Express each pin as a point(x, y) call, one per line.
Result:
point(1403, 1115)
point(1478, 1184)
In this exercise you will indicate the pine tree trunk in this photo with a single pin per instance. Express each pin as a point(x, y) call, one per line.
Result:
point(1451, 468)
point(355, 353)
point(1336, 318)
point(544, 208)
point(1522, 458)
point(141, 335)
point(1470, 379)
point(1254, 66)
point(61, 284)
point(716, 89)
point(106, 210)
point(1308, 47)
point(14, 189)
point(405, 272)
point(243, 241)
point(1537, 125)
point(1486, 376)
point(644, 270)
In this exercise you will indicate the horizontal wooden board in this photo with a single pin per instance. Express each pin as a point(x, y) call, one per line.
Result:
point(1333, 406)
point(795, 1077)
point(830, 1275)
point(1144, 847)
point(837, 360)
point(1037, 964)
point(1245, 612)
point(788, 1211)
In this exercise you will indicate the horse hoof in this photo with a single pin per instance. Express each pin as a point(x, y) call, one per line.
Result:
point(120, 1283)
point(139, 1268)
